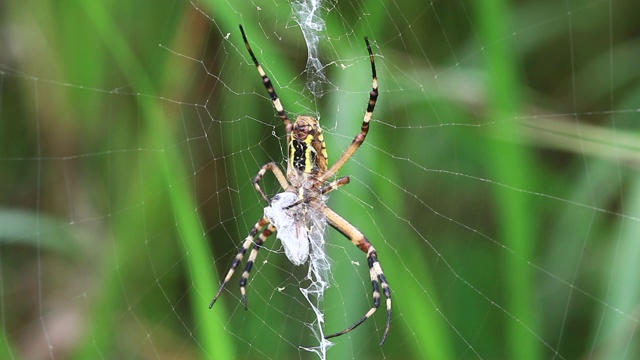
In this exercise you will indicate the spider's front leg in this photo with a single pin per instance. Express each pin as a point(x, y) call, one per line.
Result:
point(364, 128)
point(277, 172)
point(252, 257)
point(378, 280)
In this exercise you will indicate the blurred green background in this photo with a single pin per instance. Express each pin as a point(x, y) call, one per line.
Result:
point(498, 183)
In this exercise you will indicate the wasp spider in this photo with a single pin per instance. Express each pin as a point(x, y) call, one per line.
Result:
point(307, 180)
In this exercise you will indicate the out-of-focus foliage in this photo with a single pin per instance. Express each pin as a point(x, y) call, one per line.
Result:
point(498, 181)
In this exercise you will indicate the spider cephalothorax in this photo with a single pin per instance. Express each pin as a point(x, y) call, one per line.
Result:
point(303, 201)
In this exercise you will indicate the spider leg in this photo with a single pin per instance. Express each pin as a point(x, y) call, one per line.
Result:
point(276, 171)
point(335, 184)
point(238, 259)
point(364, 129)
point(378, 280)
point(269, 86)
point(252, 258)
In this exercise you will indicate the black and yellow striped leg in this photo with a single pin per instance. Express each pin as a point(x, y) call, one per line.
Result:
point(243, 250)
point(364, 128)
point(252, 258)
point(269, 86)
point(378, 279)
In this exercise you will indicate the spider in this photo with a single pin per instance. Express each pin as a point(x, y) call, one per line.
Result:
point(304, 184)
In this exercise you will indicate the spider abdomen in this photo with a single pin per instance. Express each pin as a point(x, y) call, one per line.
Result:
point(307, 149)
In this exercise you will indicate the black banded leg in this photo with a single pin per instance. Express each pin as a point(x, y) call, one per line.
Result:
point(378, 279)
point(364, 128)
point(243, 250)
point(276, 171)
point(252, 258)
point(269, 86)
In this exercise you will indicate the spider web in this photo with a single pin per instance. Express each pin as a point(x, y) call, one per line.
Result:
point(501, 195)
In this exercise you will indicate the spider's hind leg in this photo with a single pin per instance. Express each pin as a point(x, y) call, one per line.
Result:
point(378, 279)
point(252, 257)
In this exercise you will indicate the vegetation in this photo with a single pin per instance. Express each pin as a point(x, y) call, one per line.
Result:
point(497, 182)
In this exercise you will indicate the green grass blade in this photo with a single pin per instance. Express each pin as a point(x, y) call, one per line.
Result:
point(511, 164)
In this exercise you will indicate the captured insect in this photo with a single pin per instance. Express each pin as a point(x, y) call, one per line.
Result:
point(296, 214)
